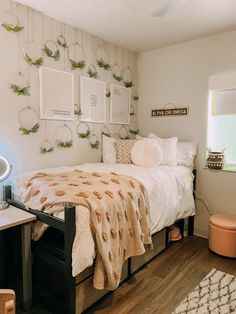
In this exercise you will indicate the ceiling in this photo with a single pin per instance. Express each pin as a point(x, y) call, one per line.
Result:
point(141, 25)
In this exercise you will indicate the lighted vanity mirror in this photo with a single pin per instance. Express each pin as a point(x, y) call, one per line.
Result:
point(5, 168)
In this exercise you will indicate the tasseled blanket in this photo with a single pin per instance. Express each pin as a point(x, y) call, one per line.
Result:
point(119, 214)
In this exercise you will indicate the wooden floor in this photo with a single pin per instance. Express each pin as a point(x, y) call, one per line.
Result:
point(162, 285)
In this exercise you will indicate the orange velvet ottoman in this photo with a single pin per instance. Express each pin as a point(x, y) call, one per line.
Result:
point(222, 235)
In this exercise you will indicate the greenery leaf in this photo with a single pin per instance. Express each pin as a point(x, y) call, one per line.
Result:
point(38, 62)
point(66, 144)
point(95, 145)
point(50, 54)
point(44, 150)
point(92, 74)
point(128, 84)
point(102, 64)
point(134, 131)
point(117, 77)
point(25, 131)
point(20, 90)
point(11, 28)
point(84, 135)
point(77, 65)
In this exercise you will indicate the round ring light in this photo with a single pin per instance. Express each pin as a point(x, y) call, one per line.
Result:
point(5, 168)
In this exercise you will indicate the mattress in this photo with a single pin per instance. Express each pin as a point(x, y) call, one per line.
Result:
point(169, 191)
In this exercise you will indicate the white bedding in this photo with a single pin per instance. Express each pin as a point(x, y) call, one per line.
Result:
point(170, 198)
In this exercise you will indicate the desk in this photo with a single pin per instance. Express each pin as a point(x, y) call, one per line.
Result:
point(12, 217)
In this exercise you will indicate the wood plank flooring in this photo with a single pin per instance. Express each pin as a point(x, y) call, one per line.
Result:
point(165, 282)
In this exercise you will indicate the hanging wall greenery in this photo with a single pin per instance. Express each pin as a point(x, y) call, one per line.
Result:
point(62, 143)
point(92, 71)
point(30, 60)
point(79, 129)
point(35, 127)
point(20, 90)
point(61, 41)
point(76, 63)
point(53, 51)
point(127, 77)
point(103, 62)
point(94, 141)
point(116, 72)
point(134, 131)
point(16, 28)
point(46, 147)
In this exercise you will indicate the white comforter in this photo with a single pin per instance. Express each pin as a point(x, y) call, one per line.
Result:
point(170, 198)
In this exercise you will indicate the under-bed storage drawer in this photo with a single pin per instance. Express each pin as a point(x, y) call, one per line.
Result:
point(159, 244)
point(86, 295)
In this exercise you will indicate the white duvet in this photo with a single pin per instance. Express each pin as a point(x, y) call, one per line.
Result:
point(170, 198)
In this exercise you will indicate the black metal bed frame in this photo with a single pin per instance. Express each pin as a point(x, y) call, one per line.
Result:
point(68, 228)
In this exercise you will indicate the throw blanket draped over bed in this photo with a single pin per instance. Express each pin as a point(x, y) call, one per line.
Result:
point(118, 208)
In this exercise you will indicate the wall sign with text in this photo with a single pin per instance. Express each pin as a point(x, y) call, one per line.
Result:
point(169, 112)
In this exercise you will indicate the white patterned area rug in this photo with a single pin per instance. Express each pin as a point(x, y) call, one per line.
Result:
point(215, 294)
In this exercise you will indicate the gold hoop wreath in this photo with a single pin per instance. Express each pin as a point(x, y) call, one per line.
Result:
point(61, 143)
point(126, 136)
point(35, 127)
point(94, 141)
point(79, 63)
point(16, 27)
point(127, 82)
point(85, 134)
point(116, 72)
point(30, 60)
point(103, 62)
point(46, 147)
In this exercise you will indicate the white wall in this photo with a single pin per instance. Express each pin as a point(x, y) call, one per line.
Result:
point(23, 151)
point(179, 74)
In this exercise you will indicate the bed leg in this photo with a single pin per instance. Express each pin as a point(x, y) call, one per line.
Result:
point(70, 283)
point(190, 225)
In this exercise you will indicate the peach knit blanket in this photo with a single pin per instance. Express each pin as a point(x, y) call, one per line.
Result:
point(118, 208)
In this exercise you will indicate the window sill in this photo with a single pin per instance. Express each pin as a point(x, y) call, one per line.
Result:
point(228, 168)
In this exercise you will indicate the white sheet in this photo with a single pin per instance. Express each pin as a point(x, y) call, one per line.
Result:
point(170, 198)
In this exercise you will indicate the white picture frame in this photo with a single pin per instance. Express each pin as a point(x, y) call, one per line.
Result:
point(120, 104)
point(56, 92)
point(92, 100)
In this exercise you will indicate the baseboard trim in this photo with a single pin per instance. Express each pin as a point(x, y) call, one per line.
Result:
point(201, 233)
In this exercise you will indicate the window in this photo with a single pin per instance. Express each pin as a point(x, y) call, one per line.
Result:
point(222, 116)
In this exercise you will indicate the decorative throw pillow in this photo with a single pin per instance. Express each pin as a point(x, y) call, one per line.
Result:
point(146, 153)
point(186, 151)
point(169, 149)
point(123, 151)
point(109, 149)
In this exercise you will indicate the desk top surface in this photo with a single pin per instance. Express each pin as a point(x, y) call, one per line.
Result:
point(13, 216)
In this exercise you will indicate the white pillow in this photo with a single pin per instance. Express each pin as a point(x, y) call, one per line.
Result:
point(169, 149)
point(109, 149)
point(146, 153)
point(186, 151)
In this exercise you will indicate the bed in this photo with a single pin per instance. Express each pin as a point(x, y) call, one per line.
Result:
point(63, 257)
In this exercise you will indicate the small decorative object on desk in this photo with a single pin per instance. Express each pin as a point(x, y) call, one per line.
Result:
point(215, 160)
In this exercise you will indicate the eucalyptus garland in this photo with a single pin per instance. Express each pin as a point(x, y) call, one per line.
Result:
point(76, 64)
point(9, 26)
point(61, 143)
point(106, 131)
point(35, 127)
point(85, 134)
point(61, 41)
point(37, 62)
point(116, 72)
point(77, 110)
point(92, 71)
point(44, 150)
point(134, 131)
point(46, 147)
point(127, 83)
point(25, 131)
point(101, 62)
point(126, 136)
point(94, 142)
point(20, 90)
point(65, 144)
point(12, 28)
point(49, 52)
